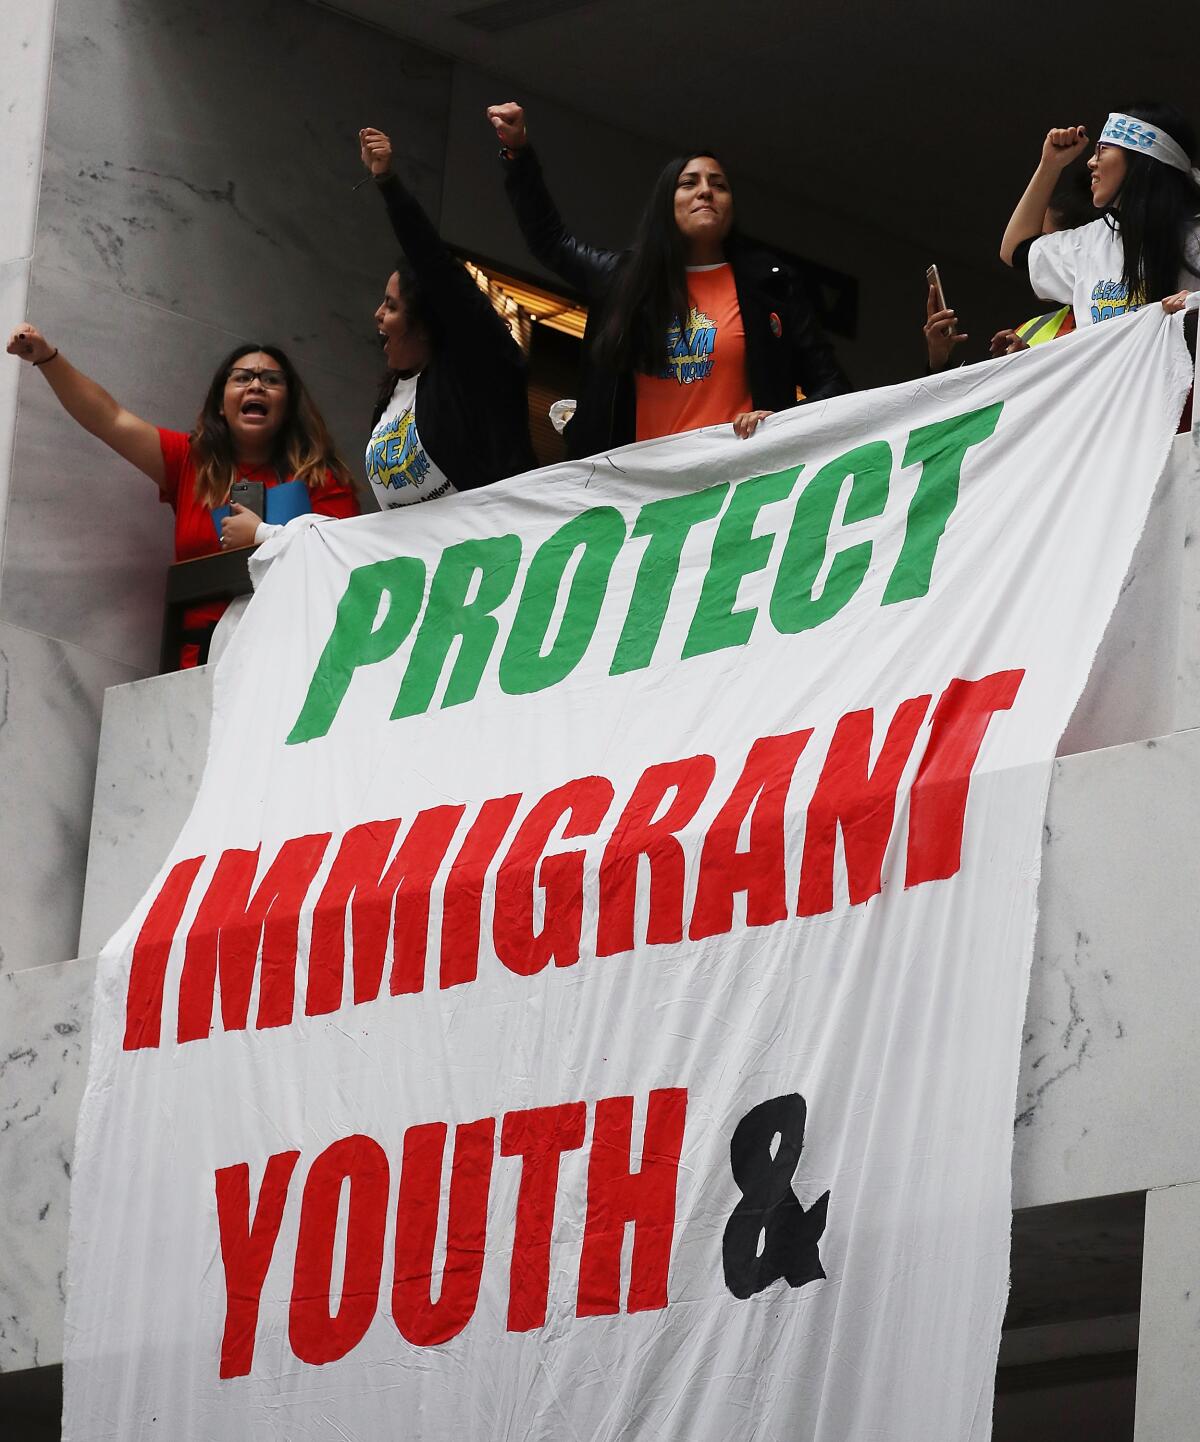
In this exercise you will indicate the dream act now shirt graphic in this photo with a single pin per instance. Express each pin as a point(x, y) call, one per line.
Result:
point(690, 349)
point(400, 469)
point(703, 382)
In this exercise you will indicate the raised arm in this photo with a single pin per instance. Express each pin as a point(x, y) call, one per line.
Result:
point(89, 404)
point(466, 314)
point(1059, 149)
point(585, 267)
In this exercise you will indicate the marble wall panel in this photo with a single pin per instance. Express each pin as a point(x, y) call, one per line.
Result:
point(1133, 689)
point(1109, 1066)
point(50, 700)
point(24, 81)
point(45, 1016)
point(201, 153)
point(1187, 711)
point(153, 742)
point(24, 84)
point(88, 541)
point(14, 288)
point(1168, 1375)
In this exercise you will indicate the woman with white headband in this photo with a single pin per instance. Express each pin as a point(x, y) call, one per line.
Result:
point(1147, 244)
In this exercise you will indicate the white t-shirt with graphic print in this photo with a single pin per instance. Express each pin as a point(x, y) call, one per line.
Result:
point(1083, 266)
point(400, 469)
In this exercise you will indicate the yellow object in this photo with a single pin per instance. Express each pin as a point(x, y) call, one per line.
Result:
point(1047, 327)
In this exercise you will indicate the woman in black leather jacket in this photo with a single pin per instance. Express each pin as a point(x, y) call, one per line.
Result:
point(749, 339)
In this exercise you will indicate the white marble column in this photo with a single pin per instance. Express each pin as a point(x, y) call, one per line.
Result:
point(153, 743)
point(45, 1031)
point(1168, 1376)
point(24, 84)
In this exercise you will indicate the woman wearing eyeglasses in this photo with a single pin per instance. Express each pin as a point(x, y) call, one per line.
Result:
point(257, 423)
point(1146, 244)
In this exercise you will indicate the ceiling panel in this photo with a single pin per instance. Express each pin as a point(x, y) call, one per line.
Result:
point(925, 118)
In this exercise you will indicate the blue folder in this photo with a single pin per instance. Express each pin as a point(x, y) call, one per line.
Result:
point(284, 503)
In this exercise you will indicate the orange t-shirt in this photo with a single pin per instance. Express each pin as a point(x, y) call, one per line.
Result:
point(704, 381)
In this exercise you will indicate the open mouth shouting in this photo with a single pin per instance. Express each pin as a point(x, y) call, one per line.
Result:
point(255, 402)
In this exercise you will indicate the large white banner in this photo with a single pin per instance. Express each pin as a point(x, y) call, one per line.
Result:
point(585, 999)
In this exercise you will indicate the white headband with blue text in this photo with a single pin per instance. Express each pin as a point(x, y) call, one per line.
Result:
point(1139, 135)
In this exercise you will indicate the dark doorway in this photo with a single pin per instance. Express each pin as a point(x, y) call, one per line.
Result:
point(1068, 1355)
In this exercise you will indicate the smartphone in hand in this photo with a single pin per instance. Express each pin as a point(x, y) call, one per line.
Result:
point(934, 278)
point(252, 495)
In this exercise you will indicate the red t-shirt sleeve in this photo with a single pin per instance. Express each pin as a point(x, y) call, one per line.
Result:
point(176, 450)
point(335, 499)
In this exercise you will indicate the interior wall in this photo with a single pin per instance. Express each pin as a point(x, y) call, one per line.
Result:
point(25, 83)
point(195, 191)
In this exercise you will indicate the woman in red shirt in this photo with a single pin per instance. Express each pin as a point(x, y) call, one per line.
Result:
point(257, 423)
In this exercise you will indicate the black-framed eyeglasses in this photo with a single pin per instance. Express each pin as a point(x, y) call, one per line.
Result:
point(273, 380)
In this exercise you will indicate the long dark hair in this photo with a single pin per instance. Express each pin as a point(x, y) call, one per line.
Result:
point(1157, 206)
point(417, 312)
point(302, 447)
point(1071, 204)
point(651, 288)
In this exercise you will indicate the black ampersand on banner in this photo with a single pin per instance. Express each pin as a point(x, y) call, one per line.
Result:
point(769, 1235)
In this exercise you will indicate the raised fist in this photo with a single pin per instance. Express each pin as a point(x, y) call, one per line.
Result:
point(1062, 146)
point(508, 121)
point(27, 343)
point(376, 151)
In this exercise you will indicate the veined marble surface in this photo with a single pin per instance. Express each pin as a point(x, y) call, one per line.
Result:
point(201, 154)
point(1110, 1066)
point(196, 193)
point(14, 288)
point(1168, 1374)
point(45, 1016)
point(1145, 680)
point(24, 82)
point(50, 700)
point(1188, 659)
point(89, 542)
point(153, 741)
